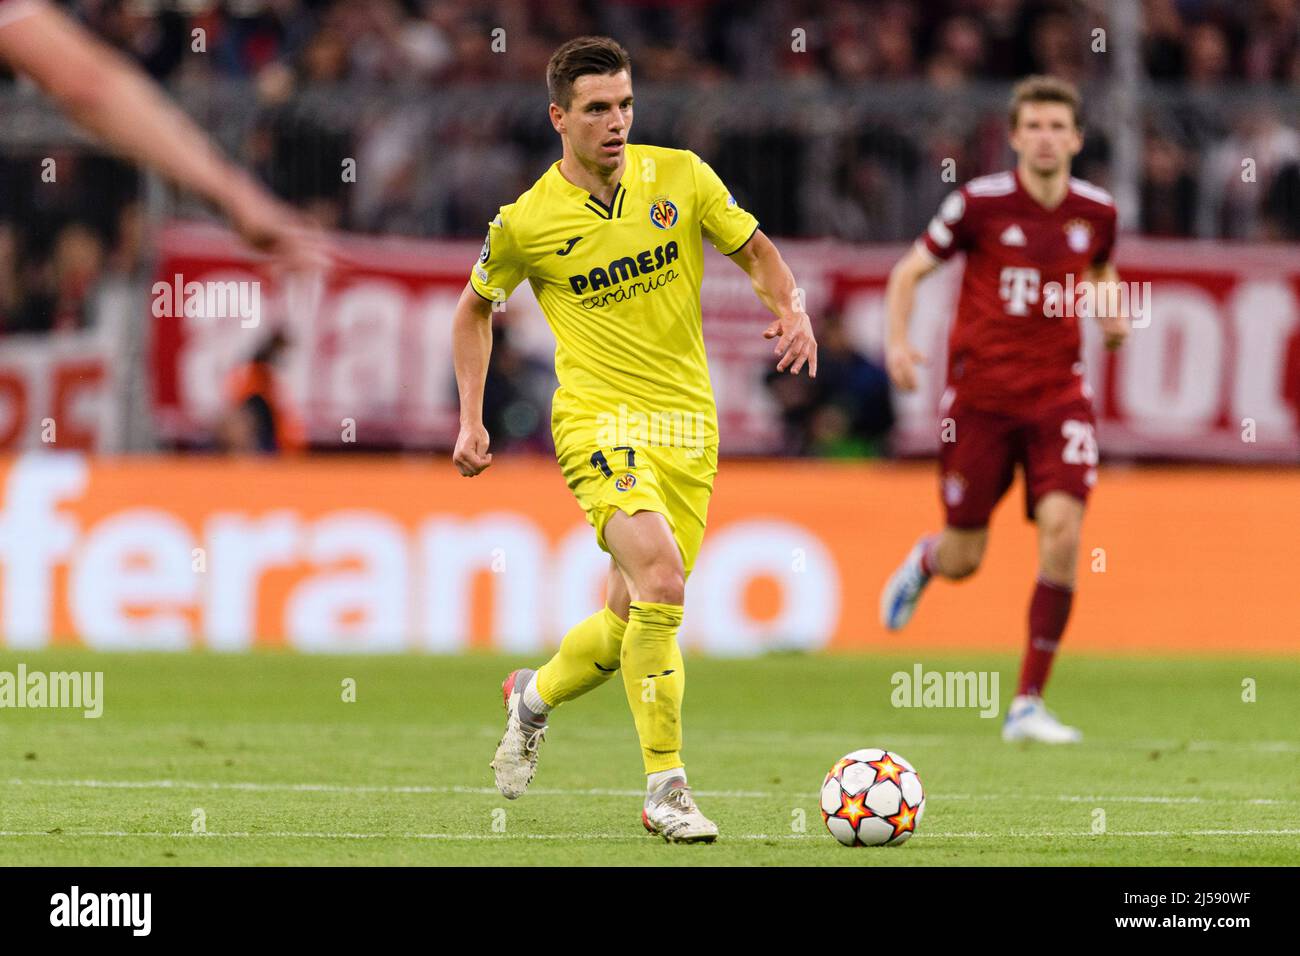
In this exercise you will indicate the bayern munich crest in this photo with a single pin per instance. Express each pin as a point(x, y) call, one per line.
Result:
point(663, 213)
point(1078, 235)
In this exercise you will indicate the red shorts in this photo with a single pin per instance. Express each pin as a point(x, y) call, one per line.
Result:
point(979, 451)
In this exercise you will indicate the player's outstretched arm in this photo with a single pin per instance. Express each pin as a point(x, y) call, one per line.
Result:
point(900, 357)
point(1114, 328)
point(774, 283)
point(471, 347)
point(108, 96)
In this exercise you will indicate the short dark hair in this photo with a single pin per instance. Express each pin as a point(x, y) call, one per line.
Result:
point(1043, 89)
point(583, 56)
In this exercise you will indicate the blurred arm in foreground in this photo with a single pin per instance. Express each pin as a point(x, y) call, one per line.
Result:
point(104, 93)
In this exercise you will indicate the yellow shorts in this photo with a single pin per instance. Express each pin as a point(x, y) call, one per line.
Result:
point(674, 482)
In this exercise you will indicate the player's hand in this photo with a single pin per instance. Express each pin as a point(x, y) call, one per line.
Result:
point(795, 344)
point(270, 226)
point(1114, 330)
point(471, 455)
point(901, 361)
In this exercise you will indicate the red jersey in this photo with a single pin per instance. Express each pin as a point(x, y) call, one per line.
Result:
point(1013, 344)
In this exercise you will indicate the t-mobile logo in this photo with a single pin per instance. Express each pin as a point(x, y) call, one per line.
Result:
point(1018, 288)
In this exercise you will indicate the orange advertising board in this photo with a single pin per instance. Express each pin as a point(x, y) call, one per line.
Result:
point(402, 554)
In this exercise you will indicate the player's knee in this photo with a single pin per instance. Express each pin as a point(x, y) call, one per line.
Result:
point(1059, 541)
point(1057, 561)
point(663, 583)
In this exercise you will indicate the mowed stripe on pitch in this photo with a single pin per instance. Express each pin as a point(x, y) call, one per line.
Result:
point(259, 787)
point(316, 835)
point(761, 735)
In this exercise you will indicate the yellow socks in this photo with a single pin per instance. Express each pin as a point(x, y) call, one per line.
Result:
point(588, 656)
point(655, 681)
point(645, 647)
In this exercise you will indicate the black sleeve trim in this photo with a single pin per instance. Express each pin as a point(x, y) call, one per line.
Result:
point(743, 244)
point(481, 295)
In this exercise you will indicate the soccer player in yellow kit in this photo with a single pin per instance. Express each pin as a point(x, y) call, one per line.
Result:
point(611, 240)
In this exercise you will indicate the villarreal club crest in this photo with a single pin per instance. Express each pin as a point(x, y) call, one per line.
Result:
point(663, 213)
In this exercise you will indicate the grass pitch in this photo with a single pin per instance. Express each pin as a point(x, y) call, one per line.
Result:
point(263, 752)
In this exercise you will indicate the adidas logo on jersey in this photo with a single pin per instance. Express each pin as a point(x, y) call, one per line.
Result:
point(1013, 235)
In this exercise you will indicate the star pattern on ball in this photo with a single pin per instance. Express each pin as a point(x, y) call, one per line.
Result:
point(853, 809)
point(840, 766)
point(886, 769)
point(904, 821)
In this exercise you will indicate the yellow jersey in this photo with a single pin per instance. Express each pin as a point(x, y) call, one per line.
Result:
point(620, 288)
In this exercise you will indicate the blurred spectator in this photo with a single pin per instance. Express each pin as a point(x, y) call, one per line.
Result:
point(9, 294)
point(258, 420)
point(516, 397)
point(1282, 205)
point(1238, 174)
point(70, 208)
point(1207, 58)
point(1168, 194)
point(960, 53)
point(1272, 53)
point(845, 412)
point(1059, 45)
point(54, 292)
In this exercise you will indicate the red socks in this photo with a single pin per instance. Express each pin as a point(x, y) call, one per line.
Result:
point(1048, 611)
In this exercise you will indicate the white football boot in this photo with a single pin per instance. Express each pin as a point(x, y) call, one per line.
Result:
point(516, 758)
point(903, 590)
point(1029, 719)
point(671, 813)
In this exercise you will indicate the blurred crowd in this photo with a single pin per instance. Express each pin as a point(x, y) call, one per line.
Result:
point(66, 218)
point(945, 42)
point(874, 181)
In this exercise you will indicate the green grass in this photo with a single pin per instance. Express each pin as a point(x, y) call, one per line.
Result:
point(1170, 749)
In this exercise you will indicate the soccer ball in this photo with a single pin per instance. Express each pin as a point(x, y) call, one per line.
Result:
point(872, 797)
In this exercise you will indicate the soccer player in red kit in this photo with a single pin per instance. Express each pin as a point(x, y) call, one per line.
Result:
point(1016, 393)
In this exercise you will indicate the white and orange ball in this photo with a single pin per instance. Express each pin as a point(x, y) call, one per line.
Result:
point(872, 797)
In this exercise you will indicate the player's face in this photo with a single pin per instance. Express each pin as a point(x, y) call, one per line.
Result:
point(1046, 137)
point(598, 119)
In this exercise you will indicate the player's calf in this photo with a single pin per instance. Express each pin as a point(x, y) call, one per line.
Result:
point(957, 553)
point(954, 554)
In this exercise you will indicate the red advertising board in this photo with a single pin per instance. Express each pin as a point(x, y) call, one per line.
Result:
point(1212, 370)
